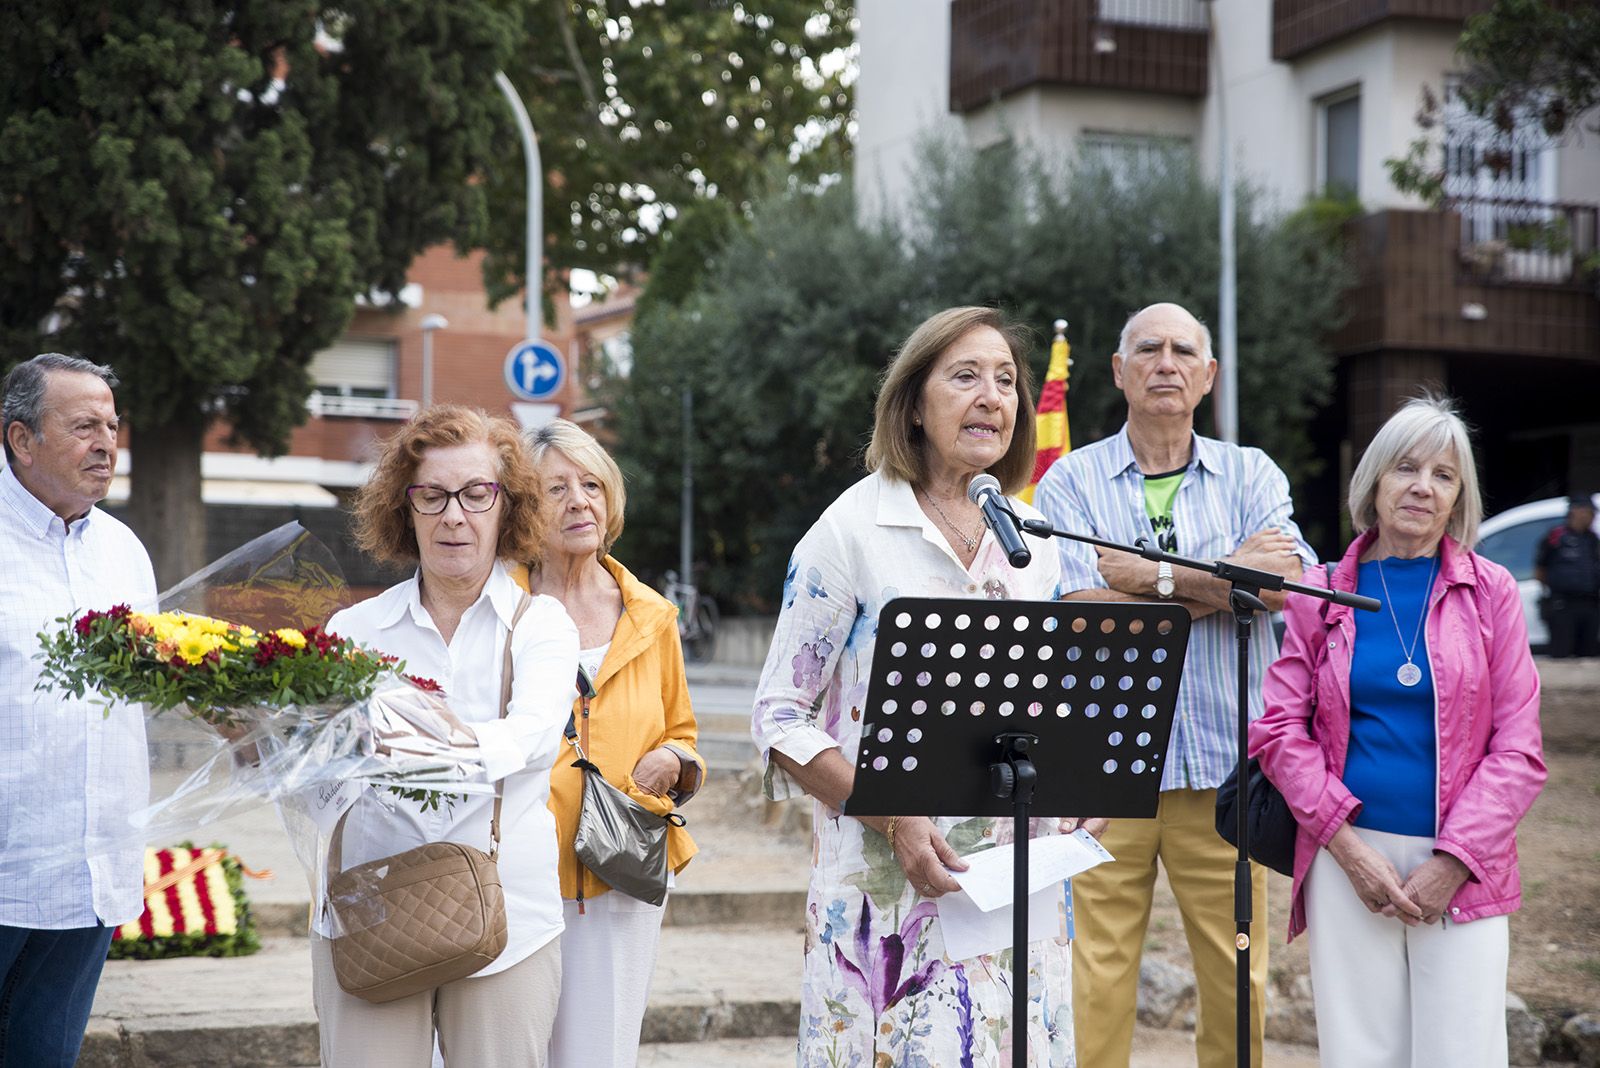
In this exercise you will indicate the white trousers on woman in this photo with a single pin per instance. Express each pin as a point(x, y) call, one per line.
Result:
point(497, 1021)
point(607, 957)
point(1392, 996)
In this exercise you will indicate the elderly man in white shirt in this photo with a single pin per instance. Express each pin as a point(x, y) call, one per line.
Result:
point(71, 869)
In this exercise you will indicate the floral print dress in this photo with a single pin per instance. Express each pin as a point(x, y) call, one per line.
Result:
point(878, 990)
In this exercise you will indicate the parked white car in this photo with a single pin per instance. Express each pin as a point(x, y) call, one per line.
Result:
point(1511, 539)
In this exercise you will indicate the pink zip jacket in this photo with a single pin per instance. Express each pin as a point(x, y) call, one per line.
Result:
point(1490, 763)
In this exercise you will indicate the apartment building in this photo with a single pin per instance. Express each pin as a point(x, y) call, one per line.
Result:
point(1493, 298)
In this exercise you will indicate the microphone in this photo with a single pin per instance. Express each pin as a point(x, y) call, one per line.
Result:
point(984, 491)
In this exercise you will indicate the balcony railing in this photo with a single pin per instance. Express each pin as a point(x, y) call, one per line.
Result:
point(1429, 281)
point(1004, 46)
point(1528, 242)
point(1298, 26)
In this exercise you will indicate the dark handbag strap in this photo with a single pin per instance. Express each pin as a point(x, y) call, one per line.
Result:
point(586, 693)
point(336, 839)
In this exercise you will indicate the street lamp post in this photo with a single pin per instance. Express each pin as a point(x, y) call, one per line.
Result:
point(1227, 285)
point(686, 504)
point(430, 323)
point(535, 169)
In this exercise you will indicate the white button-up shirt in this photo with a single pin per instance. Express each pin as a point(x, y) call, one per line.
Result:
point(521, 749)
point(70, 774)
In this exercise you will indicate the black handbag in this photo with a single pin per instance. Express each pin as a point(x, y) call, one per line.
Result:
point(1272, 825)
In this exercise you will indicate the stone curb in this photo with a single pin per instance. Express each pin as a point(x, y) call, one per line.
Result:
point(685, 908)
point(256, 1012)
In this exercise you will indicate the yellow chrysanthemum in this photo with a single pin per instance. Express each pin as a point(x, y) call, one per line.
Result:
point(290, 636)
point(193, 647)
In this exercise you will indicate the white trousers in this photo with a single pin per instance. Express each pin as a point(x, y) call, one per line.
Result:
point(497, 1021)
point(608, 955)
point(1392, 996)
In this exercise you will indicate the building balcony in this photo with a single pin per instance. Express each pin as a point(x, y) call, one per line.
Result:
point(1299, 26)
point(998, 47)
point(1510, 278)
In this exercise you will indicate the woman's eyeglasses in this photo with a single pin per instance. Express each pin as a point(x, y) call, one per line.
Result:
point(431, 500)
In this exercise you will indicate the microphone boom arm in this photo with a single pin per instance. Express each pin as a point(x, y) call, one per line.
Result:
point(1237, 575)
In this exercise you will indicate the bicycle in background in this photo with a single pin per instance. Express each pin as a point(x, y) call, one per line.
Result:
point(697, 618)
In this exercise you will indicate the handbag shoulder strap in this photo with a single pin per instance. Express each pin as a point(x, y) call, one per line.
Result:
point(586, 693)
point(505, 702)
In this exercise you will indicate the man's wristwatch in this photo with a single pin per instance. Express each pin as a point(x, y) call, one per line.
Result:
point(1164, 584)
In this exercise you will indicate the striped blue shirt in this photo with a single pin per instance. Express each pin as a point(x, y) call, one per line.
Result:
point(1228, 494)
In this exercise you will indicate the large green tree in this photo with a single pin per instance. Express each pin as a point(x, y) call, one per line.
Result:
point(644, 108)
point(195, 193)
point(785, 334)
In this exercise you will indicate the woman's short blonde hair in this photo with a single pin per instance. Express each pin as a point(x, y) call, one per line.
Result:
point(1423, 426)
point(897, 446)
point(383, 521)
point(579, 446)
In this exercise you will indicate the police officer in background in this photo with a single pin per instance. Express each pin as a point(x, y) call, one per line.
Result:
point(1568, 564)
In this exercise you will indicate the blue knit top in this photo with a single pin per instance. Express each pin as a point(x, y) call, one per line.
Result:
point(1393, 743)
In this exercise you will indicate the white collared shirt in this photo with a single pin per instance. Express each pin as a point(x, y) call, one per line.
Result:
point(520, 748)
point(70, 774)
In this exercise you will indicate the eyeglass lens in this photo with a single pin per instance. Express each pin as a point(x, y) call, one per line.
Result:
point(431, 500)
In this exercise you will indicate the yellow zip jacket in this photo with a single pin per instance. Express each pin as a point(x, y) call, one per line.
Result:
point(642, 703)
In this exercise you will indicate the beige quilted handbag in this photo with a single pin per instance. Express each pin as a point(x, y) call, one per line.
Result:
point(422, 918)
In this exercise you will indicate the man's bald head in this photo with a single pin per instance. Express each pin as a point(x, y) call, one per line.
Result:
point(1125, 343)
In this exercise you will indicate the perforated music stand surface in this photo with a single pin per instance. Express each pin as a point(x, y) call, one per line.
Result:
point(1095, 682)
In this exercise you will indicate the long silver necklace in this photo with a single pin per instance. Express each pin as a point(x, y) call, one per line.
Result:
point(1408, 673)
point(970, 542)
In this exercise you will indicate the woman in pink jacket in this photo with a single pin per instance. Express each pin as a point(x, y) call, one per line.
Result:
point(1406, 742)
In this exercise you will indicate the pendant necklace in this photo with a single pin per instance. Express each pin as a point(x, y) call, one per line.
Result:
point(970, 543)
point(1408, 673)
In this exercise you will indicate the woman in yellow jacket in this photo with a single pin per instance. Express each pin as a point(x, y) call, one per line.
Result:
point(640, 731)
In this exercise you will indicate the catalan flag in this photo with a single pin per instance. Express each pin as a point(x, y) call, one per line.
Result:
point(1054, 438)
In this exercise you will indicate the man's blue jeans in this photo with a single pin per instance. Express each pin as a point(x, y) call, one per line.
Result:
point(47, 990)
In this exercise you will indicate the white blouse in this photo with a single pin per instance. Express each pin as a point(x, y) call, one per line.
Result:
point(520, 748)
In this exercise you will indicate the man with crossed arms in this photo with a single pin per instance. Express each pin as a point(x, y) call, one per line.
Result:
point(1202, 498)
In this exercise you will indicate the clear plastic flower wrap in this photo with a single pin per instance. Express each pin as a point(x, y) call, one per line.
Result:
point(248, 702)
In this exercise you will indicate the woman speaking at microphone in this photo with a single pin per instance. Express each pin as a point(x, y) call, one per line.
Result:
point(956, 402)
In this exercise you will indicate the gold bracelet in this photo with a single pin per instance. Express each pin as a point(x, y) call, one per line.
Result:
point(888, 832)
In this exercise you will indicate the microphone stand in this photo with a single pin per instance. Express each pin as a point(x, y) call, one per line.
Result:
point(1244, 598)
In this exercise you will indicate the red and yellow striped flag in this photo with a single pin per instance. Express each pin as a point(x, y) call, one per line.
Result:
point(1054, 437)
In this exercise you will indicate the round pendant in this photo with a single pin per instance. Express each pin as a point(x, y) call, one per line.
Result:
point(1409, 674)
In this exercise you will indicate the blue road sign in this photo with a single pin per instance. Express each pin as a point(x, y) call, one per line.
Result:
point(534, 369)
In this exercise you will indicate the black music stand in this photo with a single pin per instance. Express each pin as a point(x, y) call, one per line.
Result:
point(1244, 600)
point(966, 695)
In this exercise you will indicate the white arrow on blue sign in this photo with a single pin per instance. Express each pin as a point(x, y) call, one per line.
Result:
point(534, 369)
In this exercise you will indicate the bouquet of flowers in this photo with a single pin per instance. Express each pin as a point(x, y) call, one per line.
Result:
point(272, 708)
point(260, 690)
point(220, 672)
